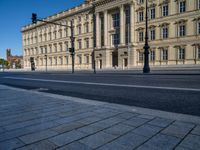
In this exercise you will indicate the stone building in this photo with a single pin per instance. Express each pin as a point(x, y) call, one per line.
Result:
point(14, 62)
point(174, 35)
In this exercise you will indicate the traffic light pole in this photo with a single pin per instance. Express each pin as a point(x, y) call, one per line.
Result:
point(72, 45)
point(72, 51)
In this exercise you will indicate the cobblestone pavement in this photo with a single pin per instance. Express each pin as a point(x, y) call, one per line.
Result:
point(34, 121)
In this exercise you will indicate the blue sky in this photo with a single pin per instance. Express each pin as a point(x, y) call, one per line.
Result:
point(16, 13)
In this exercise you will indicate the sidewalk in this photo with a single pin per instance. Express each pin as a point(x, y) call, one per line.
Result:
point(30, 120)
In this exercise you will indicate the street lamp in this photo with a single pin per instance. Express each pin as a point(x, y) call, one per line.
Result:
point(146, 68)
point(45, 62)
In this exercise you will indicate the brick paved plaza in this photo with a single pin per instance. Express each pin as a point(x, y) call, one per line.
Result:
point(30, 120)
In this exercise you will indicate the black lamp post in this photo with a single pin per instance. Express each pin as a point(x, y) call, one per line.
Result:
point(94, 38)
point(146, 68)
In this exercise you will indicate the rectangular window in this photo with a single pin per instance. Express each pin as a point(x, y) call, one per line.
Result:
point(60, 47)
point(165, 54)
point(80, 59)
point(79, 29)
point(141, 36)
point(182, 6)
point(87, 43)
point(87, 28)
point(152, 13)
point(199, 28)
point(115, 39)
point(127, 30)
point(79, 44)
point(182, 30)
point(140, 1)
point(141, 56)
point(140, 16)
point(55, 48)
point(116, 20)
point(165, 10)
point(102, 30)
point(67, 60)
point(152, 55)
point(181, 53)
point(152, 34)
point(66, 45)
point(87, 59)
point(165, 32)
point(50, 49)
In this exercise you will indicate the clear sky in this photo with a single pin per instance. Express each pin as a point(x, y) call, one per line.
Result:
point(16, 13)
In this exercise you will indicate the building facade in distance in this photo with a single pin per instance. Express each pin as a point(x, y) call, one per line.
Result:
point(14, 62)
point(174, 35)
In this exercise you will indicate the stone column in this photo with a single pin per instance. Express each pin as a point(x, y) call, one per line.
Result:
point(122, 25)
point(97, 30)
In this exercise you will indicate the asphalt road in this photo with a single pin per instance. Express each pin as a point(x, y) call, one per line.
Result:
point(169, 92)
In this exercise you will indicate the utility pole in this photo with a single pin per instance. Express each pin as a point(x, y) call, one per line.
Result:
point(146, 68)
point(72, 49)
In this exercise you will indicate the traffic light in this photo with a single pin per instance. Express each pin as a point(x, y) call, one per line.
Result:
point(71, 50)
point(34, 18)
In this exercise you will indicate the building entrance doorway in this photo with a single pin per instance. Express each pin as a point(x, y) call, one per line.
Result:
point(115, 59)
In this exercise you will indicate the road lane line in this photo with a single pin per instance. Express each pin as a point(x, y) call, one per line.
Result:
point(105, 84)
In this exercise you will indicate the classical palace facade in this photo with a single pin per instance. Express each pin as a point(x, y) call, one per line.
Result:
point(174, 35)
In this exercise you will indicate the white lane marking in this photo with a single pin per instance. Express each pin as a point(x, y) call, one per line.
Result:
point(106, 84)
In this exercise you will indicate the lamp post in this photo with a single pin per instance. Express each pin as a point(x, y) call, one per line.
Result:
point(45, 62)
point(94, 37)
point(146, 68)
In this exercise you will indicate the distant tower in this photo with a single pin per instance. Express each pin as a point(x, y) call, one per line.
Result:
point(8, 54)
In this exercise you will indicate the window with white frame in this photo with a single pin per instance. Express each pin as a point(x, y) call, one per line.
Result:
point(152, 55)
point(152, 13)
point(49, 35)
point(140, 1)
point(86, 43)
point(182, 30)
point(181, 53)
point(165, 54)
point(79, 44)
point(165, 33)
point(198, 4)
point(55, 47)
point(61, 60)
point(87, 59)
point(115, 39)
point(61, 47)
point(55, 60)
point(86, 28)
point(182, 6)
point(67, 60)
point(152, 34)
point(165, 10)
point(116, 20)
point(141, 56)
point(140, 16)
point(141, 36)
point(79, 29)
point(198, 27)
point(55, 34)
point(79, 59)
point(66, 45)
point(66, 32)
point(50, 48)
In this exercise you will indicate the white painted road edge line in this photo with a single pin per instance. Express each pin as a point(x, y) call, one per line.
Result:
point(105, 84)
point(134, 109)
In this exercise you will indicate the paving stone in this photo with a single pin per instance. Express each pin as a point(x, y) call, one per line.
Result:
point(146, 116)
point(178, 129)
point(42, 145)
point(67, 137)
point(97, 140)
point(10, 144)
point(34, 137)
point(181, 148)
point(127, 115)
point(161, 122)
point(90, 129)
point(196, 130)
point(89, 120)
point(191, 142)
point(75, 146)
point(130, 141)
point(67, 127)
point(160, 142)
point(135, 122)
point(113, 146)
point(119, 129)
point(147, 130)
